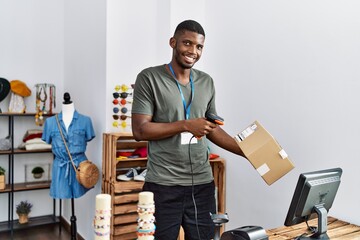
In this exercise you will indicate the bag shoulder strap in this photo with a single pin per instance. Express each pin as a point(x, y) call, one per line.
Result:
point(62, 136)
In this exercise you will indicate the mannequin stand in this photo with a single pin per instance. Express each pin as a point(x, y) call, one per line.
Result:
point(68, 111)
point(73, 221)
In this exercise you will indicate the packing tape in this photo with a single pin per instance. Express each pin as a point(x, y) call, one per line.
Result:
point(283, 154)
point(263, 169)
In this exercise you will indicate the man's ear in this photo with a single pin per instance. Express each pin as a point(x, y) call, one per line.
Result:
point(172, 42)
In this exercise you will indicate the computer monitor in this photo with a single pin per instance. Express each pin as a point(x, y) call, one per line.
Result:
point(314, 195)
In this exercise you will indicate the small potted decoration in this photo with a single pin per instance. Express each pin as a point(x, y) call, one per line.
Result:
point(37, 172)
point(2, 178)
point(23, 209)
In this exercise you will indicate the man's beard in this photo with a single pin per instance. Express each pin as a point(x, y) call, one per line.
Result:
point(178, 58)
point(183, 65)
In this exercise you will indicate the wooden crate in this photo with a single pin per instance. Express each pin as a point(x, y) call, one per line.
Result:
point(114, 143)
point(124, 195)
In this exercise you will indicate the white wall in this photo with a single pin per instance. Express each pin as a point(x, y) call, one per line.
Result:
point(290, 65)
point(31, 50)
point(85, 80)
point(31, 44)
point(294, 67)
point(62, 43)
point(133, 42)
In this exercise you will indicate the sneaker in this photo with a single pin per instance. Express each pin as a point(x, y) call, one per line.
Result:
point(141, 176)
point(131, 173)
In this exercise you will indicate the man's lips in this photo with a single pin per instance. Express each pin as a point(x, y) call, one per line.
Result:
point(190, 59)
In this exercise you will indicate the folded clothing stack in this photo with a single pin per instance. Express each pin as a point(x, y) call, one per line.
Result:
point(32, 140)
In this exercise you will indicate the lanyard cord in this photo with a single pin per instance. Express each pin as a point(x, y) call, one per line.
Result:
point(188, 107)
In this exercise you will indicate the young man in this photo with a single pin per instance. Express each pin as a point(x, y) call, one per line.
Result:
point(169, 107)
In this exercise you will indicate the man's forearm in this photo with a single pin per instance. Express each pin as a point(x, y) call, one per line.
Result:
point(225, 141)
point(157, 131)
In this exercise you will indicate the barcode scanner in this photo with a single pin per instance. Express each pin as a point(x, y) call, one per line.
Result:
point(214, 118)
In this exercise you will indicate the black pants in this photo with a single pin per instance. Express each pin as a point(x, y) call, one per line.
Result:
point(174, 207)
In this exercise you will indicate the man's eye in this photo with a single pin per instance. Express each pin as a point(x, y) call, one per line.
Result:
point(200, 47)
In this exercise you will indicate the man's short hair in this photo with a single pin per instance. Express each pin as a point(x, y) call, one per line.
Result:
point(190, 25)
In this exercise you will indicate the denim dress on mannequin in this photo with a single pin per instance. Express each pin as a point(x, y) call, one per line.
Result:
point(77, 130)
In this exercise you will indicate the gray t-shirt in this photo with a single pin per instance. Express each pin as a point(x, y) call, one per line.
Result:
point(157, 94)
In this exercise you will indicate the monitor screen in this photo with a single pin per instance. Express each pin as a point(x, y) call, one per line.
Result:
point(313, 197)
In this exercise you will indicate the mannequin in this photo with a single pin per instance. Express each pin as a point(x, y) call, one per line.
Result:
point(68, 110)
point(77, 130)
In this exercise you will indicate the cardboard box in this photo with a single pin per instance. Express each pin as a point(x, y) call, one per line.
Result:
point(264, 153)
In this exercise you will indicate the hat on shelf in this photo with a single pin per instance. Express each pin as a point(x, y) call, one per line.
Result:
point(4, 88)
point(20, 88)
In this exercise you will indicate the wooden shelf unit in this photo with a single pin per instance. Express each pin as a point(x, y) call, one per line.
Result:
point(11, 187)
point(124, 195)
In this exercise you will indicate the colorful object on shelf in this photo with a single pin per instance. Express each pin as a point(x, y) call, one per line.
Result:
point(124, 110)
point(122, 124)
point(213, 156)
point(121, 102)
point(2, 178)
point(124, 154)
point(123, 88)
point(146, 220)
point(17, 104)
point(45, 96)
point(124, 102)
point(117, 88)
point(121, 97)
point(141, 177)
point(141, 152)
point(4, 88)
point(23, 209)
point(116, 110)
point(102, 217)
point(129, 175)
point(20, 88)
point(122, 117)
point(116, 95)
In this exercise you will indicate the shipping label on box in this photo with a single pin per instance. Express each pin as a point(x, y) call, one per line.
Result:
point(264, 152)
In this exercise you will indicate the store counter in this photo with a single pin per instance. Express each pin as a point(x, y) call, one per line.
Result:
point(337, 230)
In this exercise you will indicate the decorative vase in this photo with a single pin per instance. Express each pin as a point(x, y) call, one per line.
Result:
point(37, 175)
point(2, 182)
point(23, 218)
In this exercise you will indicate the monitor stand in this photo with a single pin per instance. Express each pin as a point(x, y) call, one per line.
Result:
point(322, 224)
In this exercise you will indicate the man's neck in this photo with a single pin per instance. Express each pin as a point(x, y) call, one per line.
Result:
point(182, 75)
